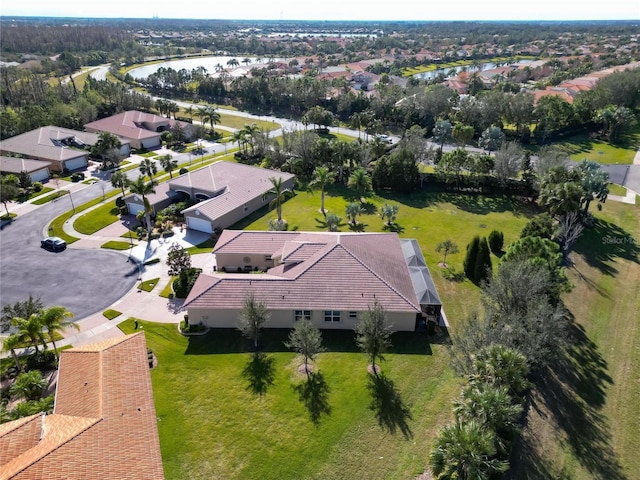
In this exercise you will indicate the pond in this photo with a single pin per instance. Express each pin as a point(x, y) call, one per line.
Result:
point(469, 68)
point(209, 63)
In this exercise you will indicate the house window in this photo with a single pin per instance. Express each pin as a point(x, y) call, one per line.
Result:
point(245, 207)
point(267, 258)
point(302, 315)
point(331, 315)
point(353, 315)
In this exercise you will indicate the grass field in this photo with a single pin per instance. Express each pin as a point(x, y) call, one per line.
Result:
point(97, 219)
point(582, 146)
point(585, 417)
point(249, 435)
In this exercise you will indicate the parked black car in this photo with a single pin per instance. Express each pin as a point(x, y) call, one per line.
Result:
point(55, 244)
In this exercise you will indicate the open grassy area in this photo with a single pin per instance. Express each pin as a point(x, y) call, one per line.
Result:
point(582, 146)
point(429, 217)
point(111, 314)
point(201, 395)
point(585, 416)
point(49, 198)
point(116, 245)
point(615, 189)
point(235, 121)
point(97, 219)
point(168, 288)
point(148, 285)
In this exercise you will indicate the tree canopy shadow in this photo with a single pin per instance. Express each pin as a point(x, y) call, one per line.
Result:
point(604, 242)
point(388, 407)
point(314, 395)
point(357, 227)
point(259, 372)
point(573, 390)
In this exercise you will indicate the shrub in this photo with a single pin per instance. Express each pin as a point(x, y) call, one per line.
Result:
point(183, 284)
point(37, 187)
point(183, 170)
point(43, 361)
point(483, 262)
point(496, 241)
point(470, 258)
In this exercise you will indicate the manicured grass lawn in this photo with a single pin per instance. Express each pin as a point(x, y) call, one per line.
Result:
point(26, 198)
point(586, 420)
point(581, 147)
point(202, 398)
point(49, 198)
point(115, 245)
point(428, 216)
point(111, 314)
point(8, 216)
point(235, 121)
point(168, 288)
point(148, 285)
point(148, 154)
point(616, 189)
point(97, 219)
point(204, 247)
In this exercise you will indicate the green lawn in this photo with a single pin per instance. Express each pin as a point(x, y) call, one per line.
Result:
point(201, 396)
point(116, 245)
point(25, 198)
point(111, 314)
point(235, 121)
point(148, 285)
point(42, 200)
point(581, 146)
point(615, 189)
point(97, 219)
point(585, 422)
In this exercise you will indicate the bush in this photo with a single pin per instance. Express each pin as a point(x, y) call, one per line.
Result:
point(471, 257)
point(120, 203)
point(496, 241)
point(183, 284)
point(483, 262)
point(183, 170)
point(37, 186)
point(43, 361)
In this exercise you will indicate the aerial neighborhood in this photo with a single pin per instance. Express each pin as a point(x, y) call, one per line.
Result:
point(304, 249)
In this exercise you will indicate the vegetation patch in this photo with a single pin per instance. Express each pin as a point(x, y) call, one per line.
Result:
point(97, 219)
point(148, 285)
point(615, 189)
point(116, 245)
point(167, 291)
point(49, 198)
point(111, 314)
point(204, 247)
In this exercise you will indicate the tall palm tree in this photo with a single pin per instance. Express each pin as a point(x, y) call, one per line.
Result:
point(279, 193)
point(142, 188)
point(214, 117)
point(119, 180)
point(353, 209)
point(360, 182)
point(240, 136)
point(53, 319)
point(250, 131)
point(322, 177)
point(148, 167)
point(203, 114)
point(169, 164)
point(9, 344)
point(465, 452)
point(190, 111)
point(30, 329)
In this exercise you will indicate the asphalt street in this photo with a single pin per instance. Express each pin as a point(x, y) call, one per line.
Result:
point(83, 281)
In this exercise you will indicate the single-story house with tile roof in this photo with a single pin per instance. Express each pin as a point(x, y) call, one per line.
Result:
point(103, 423)
point(142, 130)
point(63, 148)
point(329, 278)
point(38, 170)
point(226, 192)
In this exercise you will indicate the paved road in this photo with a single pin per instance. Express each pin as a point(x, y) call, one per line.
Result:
point(83, 281)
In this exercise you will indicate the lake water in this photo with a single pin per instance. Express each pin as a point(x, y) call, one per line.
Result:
point(209, 63)
point(469, 68)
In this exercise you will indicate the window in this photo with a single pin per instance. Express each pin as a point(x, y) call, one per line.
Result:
point(267, 258)
point(245, 207)
point(302, 315)
point(331, 316)
point(353, 315)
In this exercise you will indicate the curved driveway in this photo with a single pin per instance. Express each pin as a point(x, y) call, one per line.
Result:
point(83, 281)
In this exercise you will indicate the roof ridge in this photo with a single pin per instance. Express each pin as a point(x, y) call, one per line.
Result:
point(401, 295)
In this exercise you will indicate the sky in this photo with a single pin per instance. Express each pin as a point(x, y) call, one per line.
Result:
point(334, 9)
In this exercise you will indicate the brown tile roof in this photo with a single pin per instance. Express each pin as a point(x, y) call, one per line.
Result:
point(104, 422)
point(342, 269)
point(133, 124)
point(238, 183)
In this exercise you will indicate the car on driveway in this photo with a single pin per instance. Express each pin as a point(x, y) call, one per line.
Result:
point(55, 244)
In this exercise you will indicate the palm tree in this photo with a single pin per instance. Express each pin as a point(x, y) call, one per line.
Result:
point(353, 209)
point(53, 319)
point(233, 62)
point(169, 164)
point(389, 212)
point(203, 114)
point(360, 182)
point(280, 194)
point(213, 116)
point(499, 365)
point(119, 180)
point(332, 220)
point(240, 136)
point(322, 177)
point(250, 131)
point(9, 344)
point(142, 188)
point(465, 452)
point(190, 111)
point(246, 61)
point(148, 167)
point(29, 385)
point(30, 328)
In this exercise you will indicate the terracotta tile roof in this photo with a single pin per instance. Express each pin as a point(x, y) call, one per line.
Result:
point(104, 422)
point(337, 269)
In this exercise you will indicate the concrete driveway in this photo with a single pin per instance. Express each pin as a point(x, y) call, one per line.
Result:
point(83, 281)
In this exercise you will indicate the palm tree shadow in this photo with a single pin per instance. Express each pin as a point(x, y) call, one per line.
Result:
point(314, 395)
point(259, 372)
point(387, 404)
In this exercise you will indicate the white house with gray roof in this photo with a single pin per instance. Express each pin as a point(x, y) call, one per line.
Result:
point(226, 192)
point(329, 278)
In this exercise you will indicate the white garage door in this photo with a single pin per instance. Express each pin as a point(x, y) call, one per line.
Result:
point(76, 163)
point(39, 175)
point(200, 224)
point(134, 208)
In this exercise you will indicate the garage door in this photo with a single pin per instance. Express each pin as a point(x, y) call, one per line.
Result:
point(39, 175)
point(134, 208)
point(76, 163)
point(200, 224)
